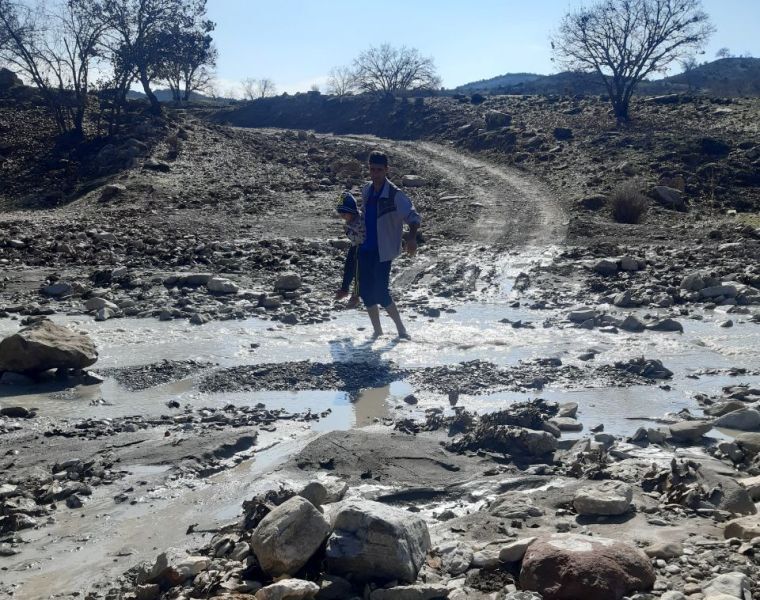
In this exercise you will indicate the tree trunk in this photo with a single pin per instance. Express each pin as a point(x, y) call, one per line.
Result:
point(155, 105)
point(620, 107)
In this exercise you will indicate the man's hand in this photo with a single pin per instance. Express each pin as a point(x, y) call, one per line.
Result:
point(411, 245)
point(410, 239)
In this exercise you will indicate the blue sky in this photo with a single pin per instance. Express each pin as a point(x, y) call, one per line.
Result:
point(296, 42)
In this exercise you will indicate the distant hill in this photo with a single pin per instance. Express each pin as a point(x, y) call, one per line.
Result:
point(166, 96)
point(723, 77)
point(499, 82)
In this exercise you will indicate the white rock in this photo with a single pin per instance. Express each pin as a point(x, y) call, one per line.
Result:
point(288, 589)
point(735, 584)
point(606, 498)
point(514, 551)
point(220, 285)
point(456, 557)
point(288, 536)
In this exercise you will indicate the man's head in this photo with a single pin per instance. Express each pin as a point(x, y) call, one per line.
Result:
point(378, 168)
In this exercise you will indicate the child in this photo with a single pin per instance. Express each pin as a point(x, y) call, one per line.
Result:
point(354, 227)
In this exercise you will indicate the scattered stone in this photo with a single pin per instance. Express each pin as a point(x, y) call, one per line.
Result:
point(456, 557)
point(220, 285)
point(606, 267)
point(665, 550)
point(420, 591)
point(413, 181)
point(112, 190)
point(288, 282)
point(288, 536)
point(665, 325)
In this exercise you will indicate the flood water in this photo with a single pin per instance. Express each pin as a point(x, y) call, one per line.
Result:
point(103, 539)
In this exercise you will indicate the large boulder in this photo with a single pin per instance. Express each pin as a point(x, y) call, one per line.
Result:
point(689, 431)
point(604, 499)
point(733, 585)
point(744, 528)
point(670, 198)
point(749, 443)
point(289, 536)
point(45, 345)
point(744, 419)
point(288, 282)
point(496, 119)
point(375, 542)
point(570, 566)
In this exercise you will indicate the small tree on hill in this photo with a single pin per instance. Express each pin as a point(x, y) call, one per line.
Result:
point(689, 66)
point(624, 41)
point(391, 70)
point(723, 53)
point(254, 89)
point(341, 81)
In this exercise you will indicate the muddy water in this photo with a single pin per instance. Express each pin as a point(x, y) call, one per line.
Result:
point(104, 538)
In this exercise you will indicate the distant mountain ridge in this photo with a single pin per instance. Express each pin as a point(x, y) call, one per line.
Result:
point(723, 77)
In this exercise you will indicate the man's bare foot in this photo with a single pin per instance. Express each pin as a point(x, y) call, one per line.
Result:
point(340, 294)
point(353, 302)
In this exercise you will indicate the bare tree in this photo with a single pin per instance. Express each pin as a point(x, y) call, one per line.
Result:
point(253, 89)
point(723, 53)
point(249, 88)
point(624, 41)
point(54, 45)
point(341, 81)
point(391, 70)
point(265, 88)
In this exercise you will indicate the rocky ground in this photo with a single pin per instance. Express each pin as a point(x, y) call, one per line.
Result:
point(189, 225)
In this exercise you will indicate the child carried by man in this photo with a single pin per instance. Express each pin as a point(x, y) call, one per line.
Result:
point(355, 231)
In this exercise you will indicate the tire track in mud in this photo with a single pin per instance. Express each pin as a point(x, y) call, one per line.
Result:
point(518, 210)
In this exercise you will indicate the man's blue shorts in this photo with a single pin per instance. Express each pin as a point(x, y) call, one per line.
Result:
point(374, 279)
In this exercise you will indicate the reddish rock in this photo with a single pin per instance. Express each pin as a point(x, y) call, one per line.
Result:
point(570, 566)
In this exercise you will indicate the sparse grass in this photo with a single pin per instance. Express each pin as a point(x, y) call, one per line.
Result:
point(629, 205)
point(749, 219)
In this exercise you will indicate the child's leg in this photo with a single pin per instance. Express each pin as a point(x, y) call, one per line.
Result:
point(349, 270)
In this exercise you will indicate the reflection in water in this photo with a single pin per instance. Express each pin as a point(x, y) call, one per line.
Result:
point(371, 404)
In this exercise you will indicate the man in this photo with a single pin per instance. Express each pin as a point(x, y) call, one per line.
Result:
point(386, 209)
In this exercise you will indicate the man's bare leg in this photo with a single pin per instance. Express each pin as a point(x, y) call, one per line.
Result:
point(396, 317)
point(374, 317)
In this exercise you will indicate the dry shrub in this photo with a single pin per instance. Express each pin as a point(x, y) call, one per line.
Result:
point(628, 203)
point(173, 145)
